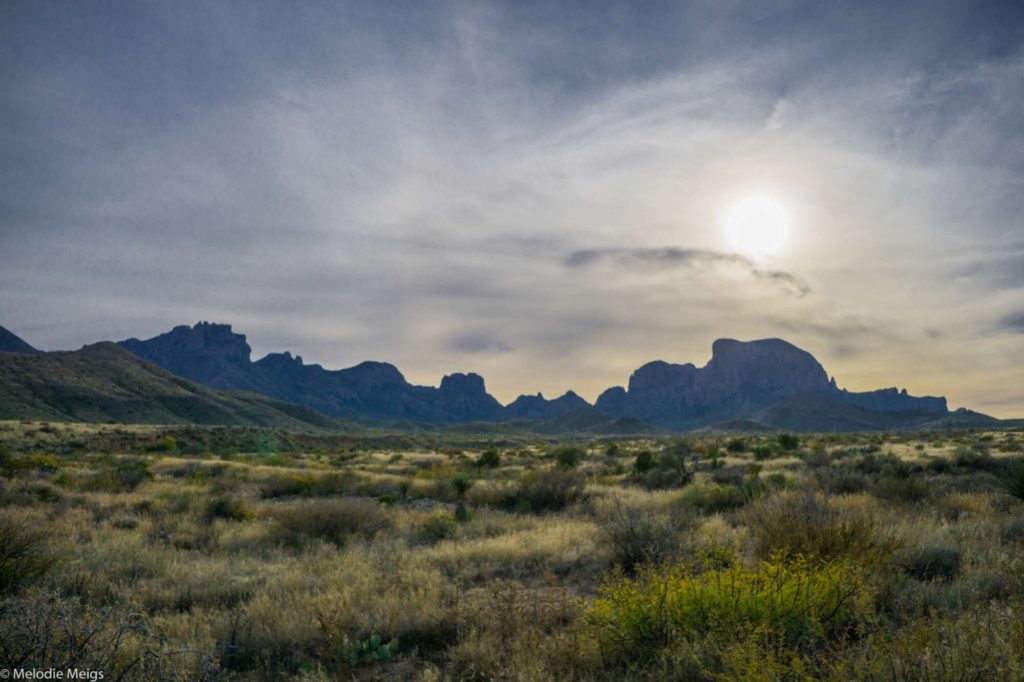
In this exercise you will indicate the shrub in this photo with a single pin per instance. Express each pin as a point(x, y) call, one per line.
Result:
point(638, 536)
point(763, 452)
point(1013, 479)
point(225, 507)
point(931, 563)
point(568, 456)
point(336, 521)
point(46, 632)
point(793, 524)
point(437, 527)
point(787, 441)
point(644, 462)
point(544, 490)
point(712, 498)
point(663, 607)
point(971, 458)
point(489, 458)
point(309, 485)
point(24, 557)
point(900, 489)
point(736, 445)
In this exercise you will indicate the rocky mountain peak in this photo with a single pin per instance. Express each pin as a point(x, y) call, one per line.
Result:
point(11, 343)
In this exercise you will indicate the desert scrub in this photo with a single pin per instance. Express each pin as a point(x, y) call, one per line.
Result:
point(334, 520)
point(24, 556)
point(636, 536)
point(813, 526)
point(1013, 480)
point(801, 602)
point(712, 498)
point(544, 490)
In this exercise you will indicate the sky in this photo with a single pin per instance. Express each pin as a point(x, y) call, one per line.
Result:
point(539, 192)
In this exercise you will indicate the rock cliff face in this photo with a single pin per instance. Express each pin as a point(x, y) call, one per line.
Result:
point(214, 355)
point(741, 379)
point(766, 379)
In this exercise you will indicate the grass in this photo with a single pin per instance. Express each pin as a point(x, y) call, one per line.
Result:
point(264, 554)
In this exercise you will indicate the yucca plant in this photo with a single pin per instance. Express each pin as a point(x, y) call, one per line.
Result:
point(1013, 481)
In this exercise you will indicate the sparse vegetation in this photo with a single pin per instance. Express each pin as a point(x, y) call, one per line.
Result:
point(266, 555)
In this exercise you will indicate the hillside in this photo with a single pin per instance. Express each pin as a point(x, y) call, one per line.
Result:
point(103, 382)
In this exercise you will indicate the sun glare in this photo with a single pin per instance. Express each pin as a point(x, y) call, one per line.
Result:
point(757, 226)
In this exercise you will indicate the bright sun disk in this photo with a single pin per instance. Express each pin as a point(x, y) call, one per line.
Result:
point(757, 226)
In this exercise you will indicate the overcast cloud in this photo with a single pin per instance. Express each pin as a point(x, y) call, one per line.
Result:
point(533, 191)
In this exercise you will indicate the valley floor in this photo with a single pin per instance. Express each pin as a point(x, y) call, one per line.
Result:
point(229, 553)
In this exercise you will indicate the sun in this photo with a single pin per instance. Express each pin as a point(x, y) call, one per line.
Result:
point(758, 226)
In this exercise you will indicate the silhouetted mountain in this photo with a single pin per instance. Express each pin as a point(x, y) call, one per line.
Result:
point(539, 407)
point(214, 355)
point(104, 382)
point(744, 379)
point(10, 343)
point(768, 383)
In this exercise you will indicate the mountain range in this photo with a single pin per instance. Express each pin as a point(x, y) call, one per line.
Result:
point(766, 383)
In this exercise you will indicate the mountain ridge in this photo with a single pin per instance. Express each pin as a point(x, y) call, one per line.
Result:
point(742, 380)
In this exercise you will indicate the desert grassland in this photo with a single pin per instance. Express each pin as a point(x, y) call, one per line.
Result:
point(204, 553)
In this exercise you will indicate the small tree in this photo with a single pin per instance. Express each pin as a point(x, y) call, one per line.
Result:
point(568, 456)
point(644, 462)
point(489, 458)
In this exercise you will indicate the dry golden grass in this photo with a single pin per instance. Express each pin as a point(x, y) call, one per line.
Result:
point(278, 565)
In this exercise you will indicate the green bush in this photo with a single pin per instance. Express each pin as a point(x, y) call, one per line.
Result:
point(489, 459)
point(803, 603)
point(763, 452)
point(788, 441)
point(712, 498)
point(644, 462)
point(736, 445)
point(568, 456)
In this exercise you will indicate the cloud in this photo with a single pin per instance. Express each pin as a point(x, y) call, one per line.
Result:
point(478, 342)
point(642, 259)
point(1013, 323)
point(352, 181)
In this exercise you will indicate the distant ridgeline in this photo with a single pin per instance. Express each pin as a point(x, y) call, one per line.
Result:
point(768, 382)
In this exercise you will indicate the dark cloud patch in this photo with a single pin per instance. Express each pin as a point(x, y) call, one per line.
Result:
point(477, 342)
point(666, 258)
point(1013, 323)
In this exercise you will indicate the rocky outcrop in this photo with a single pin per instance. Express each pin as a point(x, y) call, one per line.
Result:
point(214, 355)
point(740, 380)
point(464, 398)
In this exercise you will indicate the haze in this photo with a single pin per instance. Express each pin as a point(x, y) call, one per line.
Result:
point(533, 191)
